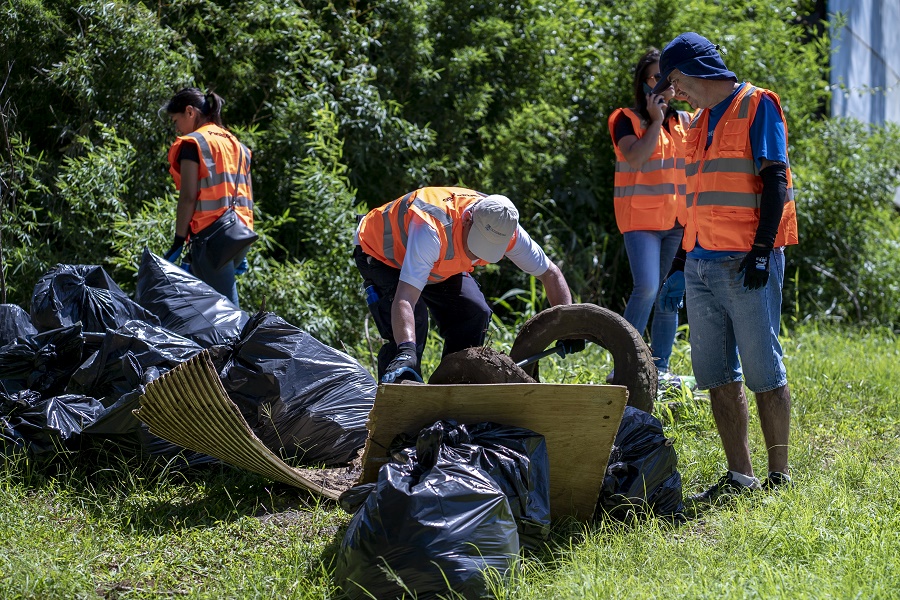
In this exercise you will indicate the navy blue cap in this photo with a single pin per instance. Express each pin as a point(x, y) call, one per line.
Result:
point(693, 55)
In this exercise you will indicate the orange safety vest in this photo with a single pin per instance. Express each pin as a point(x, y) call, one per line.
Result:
point(650, 199)
point(224, 175)
point(724, 186)
point(384, 231)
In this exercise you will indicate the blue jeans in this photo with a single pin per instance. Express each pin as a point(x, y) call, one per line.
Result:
point(650, 255)
point(728, 321)
point(221, 280)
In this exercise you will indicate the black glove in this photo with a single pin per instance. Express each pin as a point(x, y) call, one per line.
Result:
point(174, 251)
point(571, 347)
point(404, 366)
point(755, 267)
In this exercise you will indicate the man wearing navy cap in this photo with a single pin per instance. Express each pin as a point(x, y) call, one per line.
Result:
point(741, 214)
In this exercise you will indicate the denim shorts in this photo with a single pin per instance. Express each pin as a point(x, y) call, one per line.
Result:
point(728, 321)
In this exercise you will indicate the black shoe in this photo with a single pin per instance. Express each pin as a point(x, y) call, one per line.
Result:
point(777, 481)
point(724, 489)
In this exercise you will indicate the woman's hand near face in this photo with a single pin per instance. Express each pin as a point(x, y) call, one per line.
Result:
point(638, 150)
point(656, 106)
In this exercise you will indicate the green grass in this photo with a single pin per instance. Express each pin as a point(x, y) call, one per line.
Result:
point(114, 533)
point(86, 528)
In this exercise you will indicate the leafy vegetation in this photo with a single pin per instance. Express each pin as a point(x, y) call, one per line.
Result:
point(349, 106)
point(848, 266)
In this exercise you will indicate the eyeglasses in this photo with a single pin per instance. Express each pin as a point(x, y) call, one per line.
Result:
point(655, 77)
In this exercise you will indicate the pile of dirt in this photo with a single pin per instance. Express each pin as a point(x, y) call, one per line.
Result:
point(478, 365)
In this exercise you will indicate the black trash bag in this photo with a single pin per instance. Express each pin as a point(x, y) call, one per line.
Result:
point(116, 428)
point(15, 323)
point(352, 499)
point(118, 366)
point(186, 305)
point(42, 363)
point(306, 401)
point(432, 525)
point(72, 293)
point(642, 475)
point(11, 442)
point(517, 459)
point(514, 457)
point(46, 426)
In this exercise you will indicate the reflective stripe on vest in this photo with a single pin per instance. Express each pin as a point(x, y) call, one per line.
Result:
point(652, 197)
point(384, 231)
point(724, 186)
point(224, 175)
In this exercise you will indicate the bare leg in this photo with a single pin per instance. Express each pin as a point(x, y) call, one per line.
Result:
point(729, 409)
point(775, 419)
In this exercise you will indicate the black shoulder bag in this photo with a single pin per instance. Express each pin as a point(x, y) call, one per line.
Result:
point(228, 235)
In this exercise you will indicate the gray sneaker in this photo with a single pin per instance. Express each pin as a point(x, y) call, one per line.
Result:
point(668, 382)
point(724, 489)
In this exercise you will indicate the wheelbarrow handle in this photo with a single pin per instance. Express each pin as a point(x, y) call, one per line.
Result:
point(557, 349)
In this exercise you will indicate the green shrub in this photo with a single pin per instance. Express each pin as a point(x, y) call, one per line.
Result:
point(349, 107)
point(326, 206)
point(26, 247)
point(89, 196)
point(518, 96)
point(846, 264)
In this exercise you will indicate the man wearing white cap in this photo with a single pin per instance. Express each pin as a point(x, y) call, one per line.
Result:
point(415, 255)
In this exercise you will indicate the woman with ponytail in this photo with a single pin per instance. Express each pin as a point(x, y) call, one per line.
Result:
point(649, 199)
point(211, 169)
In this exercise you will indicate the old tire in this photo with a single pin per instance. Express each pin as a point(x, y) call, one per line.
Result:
point(633, 364)
point(478, 365)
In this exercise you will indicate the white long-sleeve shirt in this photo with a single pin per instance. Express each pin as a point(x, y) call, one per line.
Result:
point(423, 250)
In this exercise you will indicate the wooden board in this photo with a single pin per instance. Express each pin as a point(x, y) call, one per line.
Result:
point(579, 423)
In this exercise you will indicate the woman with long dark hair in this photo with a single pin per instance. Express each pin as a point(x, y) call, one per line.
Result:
point(211, 168)
point(650, 198)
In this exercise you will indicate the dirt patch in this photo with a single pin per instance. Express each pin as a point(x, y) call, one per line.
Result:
point(478, 365)
point(289, 511)
point(301, 521)
point(338, 479)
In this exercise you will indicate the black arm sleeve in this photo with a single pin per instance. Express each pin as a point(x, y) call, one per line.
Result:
point(622, 127)
point(771, 204)
point(678, 261)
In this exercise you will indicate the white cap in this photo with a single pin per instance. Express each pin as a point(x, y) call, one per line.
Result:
point(494, 221)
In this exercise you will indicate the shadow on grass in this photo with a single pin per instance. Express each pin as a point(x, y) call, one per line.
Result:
point(157, 495)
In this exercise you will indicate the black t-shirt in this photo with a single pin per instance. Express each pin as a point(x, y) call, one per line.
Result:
point(189, 152)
